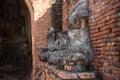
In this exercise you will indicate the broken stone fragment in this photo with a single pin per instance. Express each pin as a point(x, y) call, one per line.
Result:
point(43, 50)
point(73, 57)
point(56, 58)
point(44, 56)
point(79, 68)
point(79, 11)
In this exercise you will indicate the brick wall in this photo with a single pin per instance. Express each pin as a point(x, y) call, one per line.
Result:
point(45, 14)
point(42, 22)
point(104, 22)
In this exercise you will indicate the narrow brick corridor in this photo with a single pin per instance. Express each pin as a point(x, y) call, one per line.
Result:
point(59, 39)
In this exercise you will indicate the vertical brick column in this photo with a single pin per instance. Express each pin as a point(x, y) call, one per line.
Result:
point(47, 13)
point(42, 22)
point(104, 22)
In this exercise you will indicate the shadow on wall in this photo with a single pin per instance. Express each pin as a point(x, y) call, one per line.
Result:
point(56, 15)
point(51, 18)
point(41, 26)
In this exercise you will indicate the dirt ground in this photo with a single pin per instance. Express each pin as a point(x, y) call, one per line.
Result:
point(24, 74)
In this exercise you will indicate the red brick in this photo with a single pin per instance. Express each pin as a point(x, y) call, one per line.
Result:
point(87, 75)
point(67, 75)
point(109, 45)
point(68, 68)
point(116, 29)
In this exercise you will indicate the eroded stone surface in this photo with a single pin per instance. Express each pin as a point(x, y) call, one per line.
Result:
point(79, 11)
point(79, 38)
point(73, 46)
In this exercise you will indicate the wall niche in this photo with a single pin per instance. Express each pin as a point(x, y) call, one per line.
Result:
point(15, 35)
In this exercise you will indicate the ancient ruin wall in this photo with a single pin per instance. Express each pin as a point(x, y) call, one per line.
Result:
point(104, 22)
point(44, 14)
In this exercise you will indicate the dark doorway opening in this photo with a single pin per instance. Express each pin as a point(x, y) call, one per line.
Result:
point(15, 38)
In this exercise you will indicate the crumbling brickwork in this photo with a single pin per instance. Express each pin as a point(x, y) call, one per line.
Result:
point(104, 22)
point(42, 22)
point(45, 14)
point(50, 72)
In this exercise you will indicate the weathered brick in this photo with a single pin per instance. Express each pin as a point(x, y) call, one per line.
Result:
point(106, 26)
point(67, 75)
point(68, 68)
point(87, 75)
